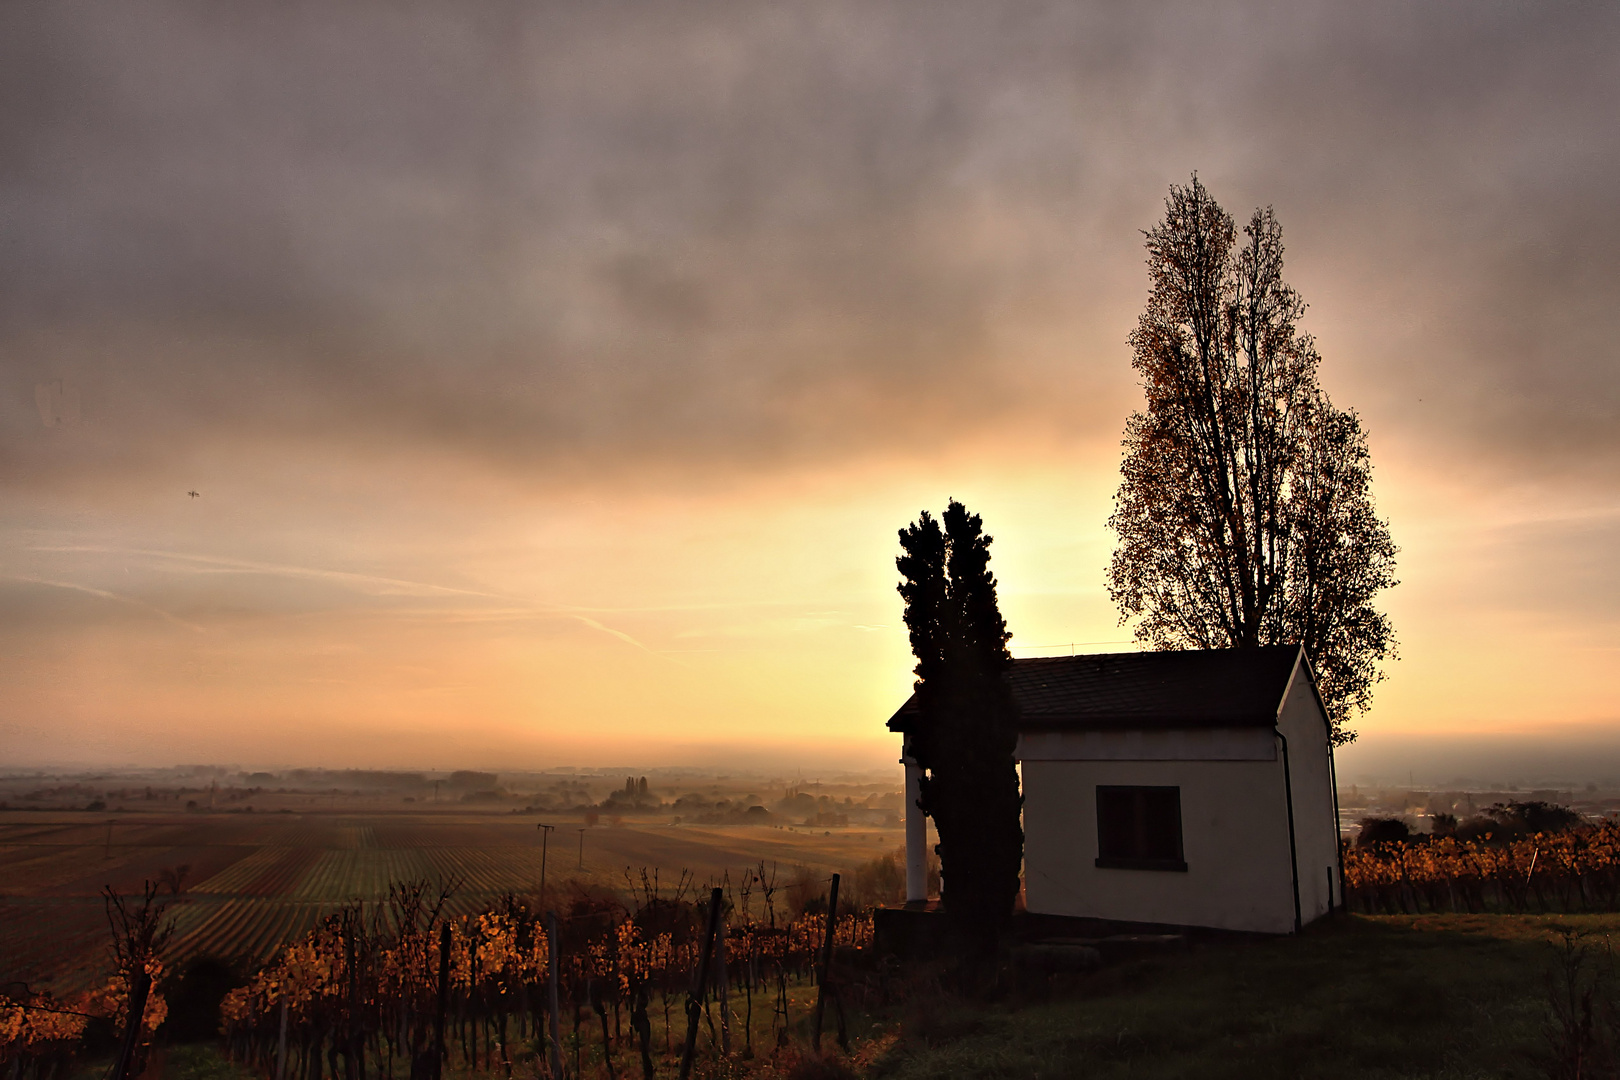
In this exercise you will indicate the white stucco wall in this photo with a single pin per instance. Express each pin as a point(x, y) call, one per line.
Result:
point(1234, 822)
point(1234, 831)
point(1315, 829)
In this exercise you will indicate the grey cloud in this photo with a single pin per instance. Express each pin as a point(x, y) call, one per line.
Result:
point(725, 232)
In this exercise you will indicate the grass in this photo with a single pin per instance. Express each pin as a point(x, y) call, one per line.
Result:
point(187, 1061)
point(1368, 997)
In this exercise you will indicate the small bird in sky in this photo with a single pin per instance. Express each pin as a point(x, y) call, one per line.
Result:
point(195, 494)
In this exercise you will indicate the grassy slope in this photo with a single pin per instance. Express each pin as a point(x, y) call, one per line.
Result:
point(1428, 996)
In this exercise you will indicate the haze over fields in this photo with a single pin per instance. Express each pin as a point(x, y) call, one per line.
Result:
point(552, 379)
point(263, 857)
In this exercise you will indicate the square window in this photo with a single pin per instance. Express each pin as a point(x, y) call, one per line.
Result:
point(1139, 828)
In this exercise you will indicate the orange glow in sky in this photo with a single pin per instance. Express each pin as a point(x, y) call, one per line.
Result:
point(553, 382)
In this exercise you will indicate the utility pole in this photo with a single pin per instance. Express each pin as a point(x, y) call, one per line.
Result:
point(582, 849)
point(545, 841)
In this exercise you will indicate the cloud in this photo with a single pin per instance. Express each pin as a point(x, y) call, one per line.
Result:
point(597, 236)
point(506, 340)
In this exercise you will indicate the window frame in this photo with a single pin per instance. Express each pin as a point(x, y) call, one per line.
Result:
point(1177, 864)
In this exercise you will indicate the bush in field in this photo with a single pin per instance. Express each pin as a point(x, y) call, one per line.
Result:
point(880, 881)
point(1583, 1033)
point(1511, 820)
point(1382, 830)
point(811, 1067)
point(806, 893)
point(194, 1001)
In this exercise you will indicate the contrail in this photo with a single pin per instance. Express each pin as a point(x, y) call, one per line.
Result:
point(105, 595)
point(212, 564)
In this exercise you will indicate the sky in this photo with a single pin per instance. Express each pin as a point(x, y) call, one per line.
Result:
point(553, 378)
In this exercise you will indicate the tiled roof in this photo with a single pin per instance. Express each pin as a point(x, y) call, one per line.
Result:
point(1182, 689)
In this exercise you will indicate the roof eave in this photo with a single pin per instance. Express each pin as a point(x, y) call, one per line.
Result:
point(1302, 662)
point(1128, 722)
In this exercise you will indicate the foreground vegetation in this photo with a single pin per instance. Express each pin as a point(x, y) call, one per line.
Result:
point(1479, 953)
point(394, 987)
point(257, 882)
point(1444, 995)
point(1573, 869)
point(1367, 997)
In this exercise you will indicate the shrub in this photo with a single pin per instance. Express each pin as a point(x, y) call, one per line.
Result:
point(1382, 830)
point(880, 881)
point(194, 1002)
point(1513, 820)
point(810, 1067)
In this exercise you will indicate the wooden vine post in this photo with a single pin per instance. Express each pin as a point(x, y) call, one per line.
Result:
point(826, 965)
point(281, 1042)
point(553, 951)
point(720, 988)
point(140, 986)
point(444, 1000)
point(700, 987)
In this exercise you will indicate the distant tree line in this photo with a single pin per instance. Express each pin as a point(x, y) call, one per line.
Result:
point(1502, 822)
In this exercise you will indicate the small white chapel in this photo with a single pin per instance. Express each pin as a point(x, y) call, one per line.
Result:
point(1191, 788)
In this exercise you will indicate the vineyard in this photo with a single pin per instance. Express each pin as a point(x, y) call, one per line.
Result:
point(365, 955)
point(1573, 871)
point(395, 986)
point(255, 883)
point(365, 986)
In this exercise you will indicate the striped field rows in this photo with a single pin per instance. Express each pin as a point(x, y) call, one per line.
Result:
point(258, 882)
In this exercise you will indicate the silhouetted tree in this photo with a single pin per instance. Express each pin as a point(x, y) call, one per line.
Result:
point(1513, 820)
point(967, 731)
point(924, 589)
point(1383, 830)
point(1245, 512)
point(140, 933)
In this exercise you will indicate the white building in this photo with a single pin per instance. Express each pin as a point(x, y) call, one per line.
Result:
point(1184, 788)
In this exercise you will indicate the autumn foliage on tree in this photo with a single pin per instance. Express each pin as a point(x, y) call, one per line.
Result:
point(1245, 513)
point(967, 731)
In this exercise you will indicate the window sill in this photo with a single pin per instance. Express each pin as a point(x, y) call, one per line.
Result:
point(1142, 864)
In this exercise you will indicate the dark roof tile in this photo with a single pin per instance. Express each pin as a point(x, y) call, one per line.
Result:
point(1174, 689)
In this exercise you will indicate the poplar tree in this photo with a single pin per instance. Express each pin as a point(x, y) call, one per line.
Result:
point(966, 733)
point(1244, 512)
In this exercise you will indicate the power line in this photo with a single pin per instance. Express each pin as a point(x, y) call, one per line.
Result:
point(1072, 645)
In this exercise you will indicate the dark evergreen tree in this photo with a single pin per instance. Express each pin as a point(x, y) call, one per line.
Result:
point(967, 732)
point(924, 590)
